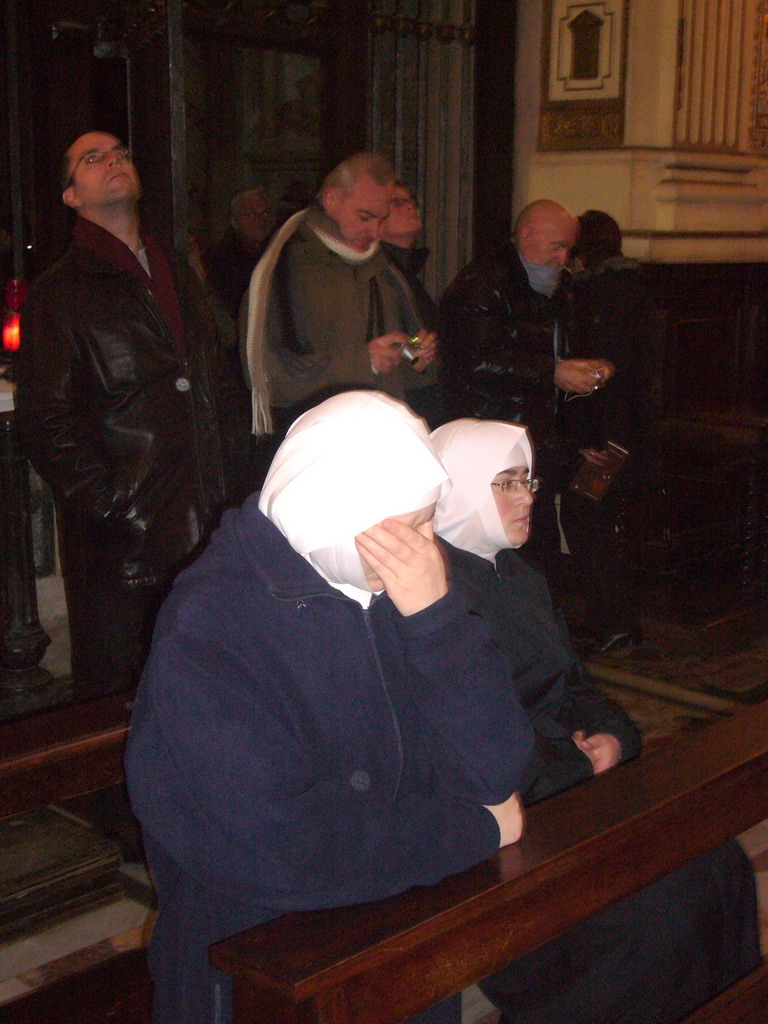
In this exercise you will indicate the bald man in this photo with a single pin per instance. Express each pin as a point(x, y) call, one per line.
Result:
point(115, 410)
point(503, 351)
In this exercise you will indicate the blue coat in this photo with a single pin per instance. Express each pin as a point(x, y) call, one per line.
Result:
point(290, 750)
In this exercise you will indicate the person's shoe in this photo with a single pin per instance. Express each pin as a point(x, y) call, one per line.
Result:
point(617, 643)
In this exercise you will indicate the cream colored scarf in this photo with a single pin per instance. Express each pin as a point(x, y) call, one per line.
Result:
point(254, 328)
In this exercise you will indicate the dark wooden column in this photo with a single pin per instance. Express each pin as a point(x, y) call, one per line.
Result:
point(24, 639)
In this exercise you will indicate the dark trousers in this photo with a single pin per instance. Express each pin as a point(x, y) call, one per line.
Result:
point(110, 630)
point(542, 550)
point(650, 959)
point(591, 532)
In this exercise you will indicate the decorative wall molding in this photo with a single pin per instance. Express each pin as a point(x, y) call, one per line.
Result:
point(714, 58)
point(443, 31)
point(302, 22)
point(583, 68)
point(585, 55)
point(581, 127)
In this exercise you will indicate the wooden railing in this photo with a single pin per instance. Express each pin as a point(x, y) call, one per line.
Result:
point(62, 753)
point(385, 962)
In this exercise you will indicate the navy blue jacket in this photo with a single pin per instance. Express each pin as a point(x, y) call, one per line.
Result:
point(290, 750)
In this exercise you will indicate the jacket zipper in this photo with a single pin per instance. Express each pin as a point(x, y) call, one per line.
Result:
point(395, 723)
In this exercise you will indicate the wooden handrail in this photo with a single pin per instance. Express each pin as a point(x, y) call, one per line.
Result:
point(583, 850)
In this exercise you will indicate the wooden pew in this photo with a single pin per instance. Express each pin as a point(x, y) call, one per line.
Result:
point(582, 851)
point(385, 962)
point(62, 753)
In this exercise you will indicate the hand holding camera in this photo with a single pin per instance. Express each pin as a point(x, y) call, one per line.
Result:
point(420, 352)
point(389, 350)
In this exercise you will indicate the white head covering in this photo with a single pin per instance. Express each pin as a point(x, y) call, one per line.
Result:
point(473, 452)
point(345, 465)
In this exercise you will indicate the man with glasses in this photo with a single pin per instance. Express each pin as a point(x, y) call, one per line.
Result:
point(116, 412)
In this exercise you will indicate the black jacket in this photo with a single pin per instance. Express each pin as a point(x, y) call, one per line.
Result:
point(410, 263)
point(498, 347)
point(550, 682)
point(115, 419)
point(608, 313)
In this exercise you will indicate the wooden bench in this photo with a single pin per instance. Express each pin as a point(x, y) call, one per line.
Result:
point(384, 962)
point(582, 851)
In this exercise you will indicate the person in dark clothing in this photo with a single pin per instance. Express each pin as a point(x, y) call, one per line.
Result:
point(234, 399)
point(399, 234)
point(504, 357)
point(578, 731)
point(226, 269)
point(229, 262)
point(605, 308)
point(673, 945)
point(115, 408)
point(320, 722)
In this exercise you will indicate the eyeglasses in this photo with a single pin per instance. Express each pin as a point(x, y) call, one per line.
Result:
point(97, 156)
point(531, 485)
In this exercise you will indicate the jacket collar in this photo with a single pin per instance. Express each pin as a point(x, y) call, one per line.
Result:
point(97, 240)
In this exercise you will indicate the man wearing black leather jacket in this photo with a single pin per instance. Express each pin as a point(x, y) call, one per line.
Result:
point(115, 410)
point(502, 353)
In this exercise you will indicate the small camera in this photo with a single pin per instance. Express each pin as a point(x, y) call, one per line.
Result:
point(409, 352)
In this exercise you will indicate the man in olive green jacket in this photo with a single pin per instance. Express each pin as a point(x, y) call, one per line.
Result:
point(326, 311)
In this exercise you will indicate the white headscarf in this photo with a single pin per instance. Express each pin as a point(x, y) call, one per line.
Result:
point(345, 465)
point(473, 452)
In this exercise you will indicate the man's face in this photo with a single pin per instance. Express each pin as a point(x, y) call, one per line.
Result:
point(251, 220)
point(101, 172)
point(548, 239)
point(359, 212)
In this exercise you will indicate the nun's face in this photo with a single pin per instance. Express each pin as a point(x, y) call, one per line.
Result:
point(514, 504)
point(421, 521)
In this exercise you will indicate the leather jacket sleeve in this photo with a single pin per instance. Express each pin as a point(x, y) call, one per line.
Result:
point(497, 330)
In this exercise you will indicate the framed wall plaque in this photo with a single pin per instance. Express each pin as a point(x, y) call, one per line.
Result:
point(583, 71)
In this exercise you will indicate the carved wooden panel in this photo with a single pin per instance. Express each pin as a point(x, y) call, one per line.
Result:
point(708, 518)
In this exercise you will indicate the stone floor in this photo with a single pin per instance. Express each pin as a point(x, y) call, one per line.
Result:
point(37, 959)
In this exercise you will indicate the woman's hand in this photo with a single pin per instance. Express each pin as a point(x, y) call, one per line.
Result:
point(407, 561)
point(602, 749)
point(510, 818)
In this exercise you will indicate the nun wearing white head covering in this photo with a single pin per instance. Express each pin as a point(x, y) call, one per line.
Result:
point(474, 452)
point(344, 466)
point(617, 967)
point(578, 730)
point(307, 734)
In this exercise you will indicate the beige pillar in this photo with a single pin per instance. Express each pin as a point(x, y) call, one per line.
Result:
point(668, 135)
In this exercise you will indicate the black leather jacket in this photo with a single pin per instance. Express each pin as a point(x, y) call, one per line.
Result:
point(115, 419)
point(497, 345)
